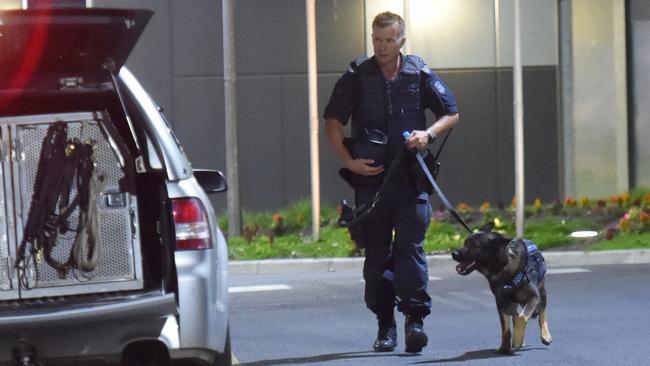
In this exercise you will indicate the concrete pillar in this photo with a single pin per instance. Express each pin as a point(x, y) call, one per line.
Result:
point(599, 103)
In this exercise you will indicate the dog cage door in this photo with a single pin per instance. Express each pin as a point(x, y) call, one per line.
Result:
point(119, 264)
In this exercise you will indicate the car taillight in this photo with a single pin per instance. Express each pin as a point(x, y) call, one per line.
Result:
point(191, 223)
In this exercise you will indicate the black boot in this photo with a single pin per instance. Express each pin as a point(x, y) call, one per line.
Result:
point(386, 336)
point(415, 338)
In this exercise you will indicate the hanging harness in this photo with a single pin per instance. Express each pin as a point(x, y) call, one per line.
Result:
point(62, 163)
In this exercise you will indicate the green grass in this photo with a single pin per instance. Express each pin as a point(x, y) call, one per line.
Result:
point(554, 232)
point(442, 237)
point(547, 233)
point(624, 241)
point(334, 242)
point(296, 217)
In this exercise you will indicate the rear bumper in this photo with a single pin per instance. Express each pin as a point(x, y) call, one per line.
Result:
point(133, 309)
point(85, 331)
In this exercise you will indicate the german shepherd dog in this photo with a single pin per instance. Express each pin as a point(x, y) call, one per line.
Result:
point(515, 272)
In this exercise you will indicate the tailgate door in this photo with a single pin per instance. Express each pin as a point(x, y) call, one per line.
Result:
point(66, 42)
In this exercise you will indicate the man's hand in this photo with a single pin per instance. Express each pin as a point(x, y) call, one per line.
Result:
point(418, 140)
point(363, 167)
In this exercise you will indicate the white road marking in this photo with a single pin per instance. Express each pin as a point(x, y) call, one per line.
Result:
point(566, 270)
point(240, 289)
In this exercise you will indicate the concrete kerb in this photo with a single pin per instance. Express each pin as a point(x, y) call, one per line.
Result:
point(441, 261)
point(294, 265)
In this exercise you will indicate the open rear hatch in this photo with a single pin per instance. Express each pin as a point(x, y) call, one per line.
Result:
point(68, 208)
point(66, 42)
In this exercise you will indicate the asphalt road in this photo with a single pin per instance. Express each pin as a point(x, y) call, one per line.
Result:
point(598, 315)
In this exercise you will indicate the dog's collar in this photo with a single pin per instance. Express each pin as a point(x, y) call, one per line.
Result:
point(516, 281)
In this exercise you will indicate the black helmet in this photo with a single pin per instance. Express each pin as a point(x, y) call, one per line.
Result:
point(370, 144)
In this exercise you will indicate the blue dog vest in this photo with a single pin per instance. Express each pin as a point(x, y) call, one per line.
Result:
point(533, 272)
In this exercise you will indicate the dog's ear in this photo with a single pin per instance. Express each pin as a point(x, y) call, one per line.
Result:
point(516, 250)
point(496, 240)
point(487, 227)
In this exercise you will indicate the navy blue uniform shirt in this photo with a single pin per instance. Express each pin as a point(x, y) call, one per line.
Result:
point(435, 95)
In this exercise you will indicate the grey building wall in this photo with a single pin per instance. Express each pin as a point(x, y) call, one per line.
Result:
point(179, 60)
point(478, 163)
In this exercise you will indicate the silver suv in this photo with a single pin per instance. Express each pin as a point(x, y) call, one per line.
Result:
point(109, 249)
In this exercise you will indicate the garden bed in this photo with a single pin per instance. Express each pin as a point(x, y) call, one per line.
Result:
point(619, 222)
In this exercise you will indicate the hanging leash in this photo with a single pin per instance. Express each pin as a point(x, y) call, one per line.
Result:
point(437, 189)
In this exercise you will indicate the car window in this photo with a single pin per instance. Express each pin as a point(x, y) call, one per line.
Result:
point(148, 118)
point(153, 158)
point(161, 110)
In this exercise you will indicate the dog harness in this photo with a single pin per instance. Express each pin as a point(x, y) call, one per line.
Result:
point(534, 270)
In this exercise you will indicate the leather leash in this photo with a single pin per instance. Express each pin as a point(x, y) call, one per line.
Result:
point(441, 195)
point(360, 212)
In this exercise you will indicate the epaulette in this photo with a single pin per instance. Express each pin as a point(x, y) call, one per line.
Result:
point(414, 64)
point(354, 65)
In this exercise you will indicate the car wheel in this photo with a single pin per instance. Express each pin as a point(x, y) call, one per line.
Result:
point(225, 358)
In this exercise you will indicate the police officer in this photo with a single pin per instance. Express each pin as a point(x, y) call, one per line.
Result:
point(389, 93)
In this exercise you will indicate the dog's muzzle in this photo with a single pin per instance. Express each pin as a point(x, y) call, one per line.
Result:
point(464, 267)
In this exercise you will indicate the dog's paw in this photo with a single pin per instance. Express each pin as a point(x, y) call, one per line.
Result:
point(546, 335)
point(504, 350)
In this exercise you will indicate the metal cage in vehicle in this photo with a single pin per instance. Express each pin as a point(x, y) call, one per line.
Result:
point(119, 265)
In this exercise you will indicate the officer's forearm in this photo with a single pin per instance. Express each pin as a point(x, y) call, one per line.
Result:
point(335, 136)
point(443, 124)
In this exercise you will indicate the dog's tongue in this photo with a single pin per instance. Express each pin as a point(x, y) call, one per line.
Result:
point(465, 268)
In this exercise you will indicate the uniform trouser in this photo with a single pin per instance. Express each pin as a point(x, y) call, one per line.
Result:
point(395, 268)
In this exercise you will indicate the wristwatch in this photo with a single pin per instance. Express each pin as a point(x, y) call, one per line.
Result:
point(432, 136)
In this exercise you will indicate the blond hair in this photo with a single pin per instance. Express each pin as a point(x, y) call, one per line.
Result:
point(387, 19)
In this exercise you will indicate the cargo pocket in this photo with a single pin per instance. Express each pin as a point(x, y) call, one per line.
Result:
point(425, 210)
